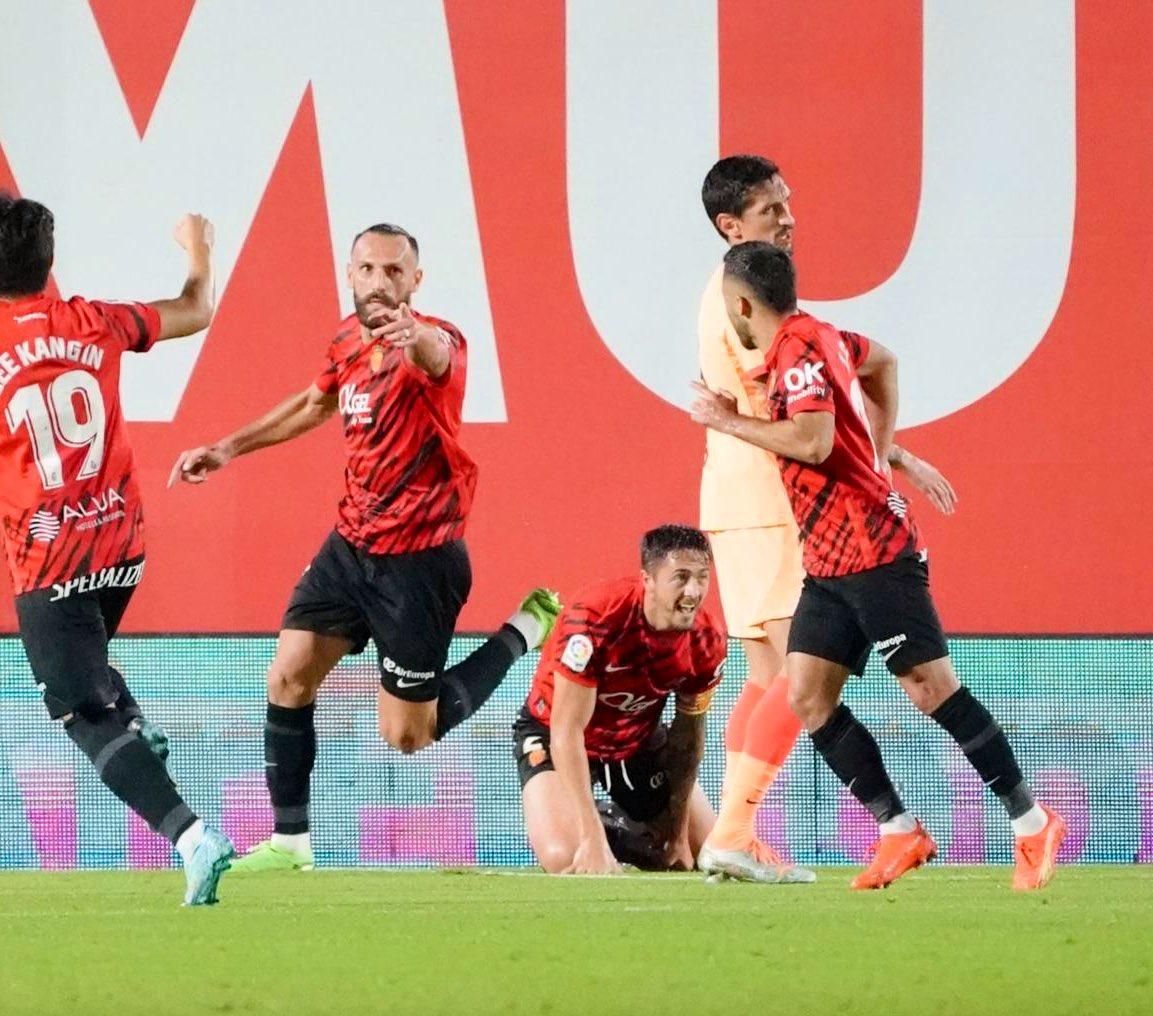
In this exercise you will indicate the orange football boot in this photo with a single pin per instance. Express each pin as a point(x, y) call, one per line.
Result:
point(895, 854)
point(1037, 854)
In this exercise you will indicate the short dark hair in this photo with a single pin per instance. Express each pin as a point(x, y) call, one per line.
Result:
point(27, 245)
point(659, 543)
point(388, 229)
point(729, 185)
point(767, 270)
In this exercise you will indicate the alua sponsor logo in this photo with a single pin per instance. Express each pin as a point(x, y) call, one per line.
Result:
point(94, 509)
point(115, 577)
point(88, 512)
point(44, 527)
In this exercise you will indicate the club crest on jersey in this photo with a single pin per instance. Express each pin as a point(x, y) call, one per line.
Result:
point(577, 653)
point(354, 406)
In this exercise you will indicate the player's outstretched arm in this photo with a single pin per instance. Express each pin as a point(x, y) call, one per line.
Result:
point(192, 310)
point(296, 415)
point(683, 754)
point(806, 437)
point(425, 346)
point(572, 708)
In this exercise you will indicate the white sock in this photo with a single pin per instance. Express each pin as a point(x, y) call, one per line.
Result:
point(529, 627)
point(189, 840)
point(903, 823)
point(1031, 823)
point(298, 843)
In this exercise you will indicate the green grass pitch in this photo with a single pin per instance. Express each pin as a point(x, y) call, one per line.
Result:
point(945, 940)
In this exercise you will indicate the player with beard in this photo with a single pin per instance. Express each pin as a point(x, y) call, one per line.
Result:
point(593, 716)
point(755, 542)
point(395, 569)
point(867, 572)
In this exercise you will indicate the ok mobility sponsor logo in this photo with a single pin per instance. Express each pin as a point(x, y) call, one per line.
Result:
point(805, 381)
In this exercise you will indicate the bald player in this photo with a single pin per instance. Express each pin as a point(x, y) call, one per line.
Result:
point(755, 541)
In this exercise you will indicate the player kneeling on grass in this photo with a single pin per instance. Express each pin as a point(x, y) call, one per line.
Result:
point(593, 715)
point(71, 513)
point(867, 581)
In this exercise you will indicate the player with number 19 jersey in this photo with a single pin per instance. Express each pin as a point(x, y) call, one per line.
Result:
point(69, 503)
point(851, 518)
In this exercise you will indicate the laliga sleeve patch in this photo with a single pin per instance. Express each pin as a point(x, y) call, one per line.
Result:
point(577, 653)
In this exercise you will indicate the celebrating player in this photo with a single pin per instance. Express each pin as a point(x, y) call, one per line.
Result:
point(755, 542)
point(593, 715)
point(867, 578)
point(395, 569)
point(73, 523)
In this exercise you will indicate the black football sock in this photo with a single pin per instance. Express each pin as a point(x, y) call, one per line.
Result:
point(126, 704)
point(987, 749)
point(289, 755)
point(127, 767)
point(468, 686)
point(850, 751)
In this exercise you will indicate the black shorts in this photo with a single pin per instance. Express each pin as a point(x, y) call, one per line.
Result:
point(406, 603)
point(890, 608)
point(639, 783)
point(66, 641)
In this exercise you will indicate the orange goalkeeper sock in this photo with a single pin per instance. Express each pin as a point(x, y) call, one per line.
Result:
point(770, 733)
point(773, 728)
point(735, 731)
point(739, 718)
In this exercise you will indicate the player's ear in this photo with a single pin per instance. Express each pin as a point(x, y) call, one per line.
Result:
point(729, 225)
point(745, 308)
point(417, 278)
point(348, 273)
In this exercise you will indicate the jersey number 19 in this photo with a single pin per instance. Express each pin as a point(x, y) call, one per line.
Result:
point(69, 411)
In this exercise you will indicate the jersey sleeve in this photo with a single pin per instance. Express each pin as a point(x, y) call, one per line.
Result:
point(328, 381)
point(455, 343)
point(858, 347)
point(802, 378)
point(695, 695)
point(135, 326)
point(575, 649)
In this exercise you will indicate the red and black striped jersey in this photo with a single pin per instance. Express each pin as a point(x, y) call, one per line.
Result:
point(68, 497)
point(603, 641)
point(408, 482)
point(850, 517)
